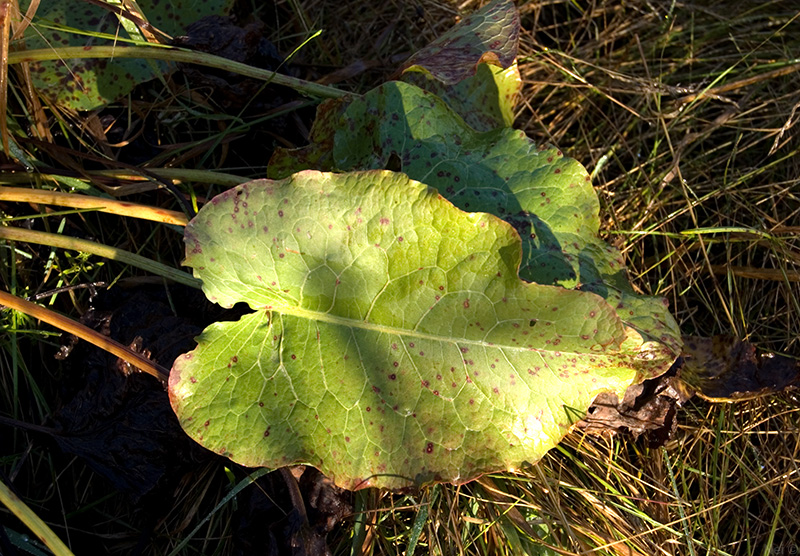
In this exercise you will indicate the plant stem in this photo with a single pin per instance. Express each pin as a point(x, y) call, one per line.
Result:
point(113, 253)
point(85, 333)
point(173, 54)
point(177, 175)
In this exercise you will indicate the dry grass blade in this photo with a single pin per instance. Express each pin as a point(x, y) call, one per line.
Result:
point(84, 332)
point(5, 38)
point(110, 206)
point(775, 274)
point(10, 233)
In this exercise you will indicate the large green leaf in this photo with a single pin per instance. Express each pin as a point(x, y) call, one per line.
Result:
point(485, 100)
point(392, 342)
point(90, 83)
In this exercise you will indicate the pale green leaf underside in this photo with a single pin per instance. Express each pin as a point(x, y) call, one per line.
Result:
point(392, 342)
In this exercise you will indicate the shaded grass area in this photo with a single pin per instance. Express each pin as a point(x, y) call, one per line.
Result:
point(685, 114)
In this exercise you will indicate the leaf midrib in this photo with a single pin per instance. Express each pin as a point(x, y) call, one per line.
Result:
point(393, 330)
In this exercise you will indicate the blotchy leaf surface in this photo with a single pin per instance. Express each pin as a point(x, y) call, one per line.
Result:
point(392, 341)
point(547, 197)
point(89, 83)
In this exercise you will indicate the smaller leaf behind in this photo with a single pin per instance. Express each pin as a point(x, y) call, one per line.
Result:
point(318, 154)
point(490, 34)
point(473, 67)
point(485, 100)
point(392, 341)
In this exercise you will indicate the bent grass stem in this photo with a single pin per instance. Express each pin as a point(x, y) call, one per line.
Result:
point(85, 333)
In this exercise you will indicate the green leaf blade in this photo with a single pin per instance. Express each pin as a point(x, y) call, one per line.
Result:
point(393, 343)
point(473, 67)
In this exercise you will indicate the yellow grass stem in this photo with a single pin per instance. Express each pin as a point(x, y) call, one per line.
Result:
point(85, 333)
point(86, 246)
point(33, 521)
point(111, 206)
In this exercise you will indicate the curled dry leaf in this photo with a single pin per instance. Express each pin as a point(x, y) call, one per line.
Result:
point(724, 368)
point(718, 369)
point(649, 408)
